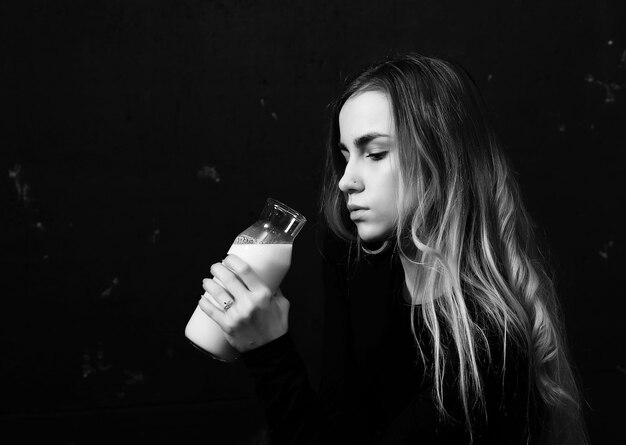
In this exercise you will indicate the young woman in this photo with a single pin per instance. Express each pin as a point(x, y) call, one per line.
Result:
point(441, 323)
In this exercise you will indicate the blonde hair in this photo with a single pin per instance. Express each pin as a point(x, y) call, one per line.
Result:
point(462, 220)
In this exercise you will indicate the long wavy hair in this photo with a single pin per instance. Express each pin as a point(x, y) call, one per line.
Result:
point(462, 220)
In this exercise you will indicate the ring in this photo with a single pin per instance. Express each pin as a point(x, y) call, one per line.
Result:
point(228, 304)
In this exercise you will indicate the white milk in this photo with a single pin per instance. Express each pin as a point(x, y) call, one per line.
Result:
point(271, 262)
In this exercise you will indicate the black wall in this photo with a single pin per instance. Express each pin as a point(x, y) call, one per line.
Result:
point(139, 137)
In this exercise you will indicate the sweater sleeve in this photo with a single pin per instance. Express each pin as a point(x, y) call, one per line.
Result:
point(295, 412)
point(290, 403)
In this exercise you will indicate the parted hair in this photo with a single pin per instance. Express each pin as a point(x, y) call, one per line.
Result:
point(462, 220)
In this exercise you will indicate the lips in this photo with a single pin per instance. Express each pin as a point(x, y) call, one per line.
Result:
point(357, 214)
point(352, 207)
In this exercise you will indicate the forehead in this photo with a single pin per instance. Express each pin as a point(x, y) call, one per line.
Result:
point(365, 112)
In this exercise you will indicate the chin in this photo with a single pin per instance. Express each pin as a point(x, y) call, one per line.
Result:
point(373, 236)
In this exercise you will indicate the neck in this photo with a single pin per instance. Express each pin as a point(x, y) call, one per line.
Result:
point(410, 289)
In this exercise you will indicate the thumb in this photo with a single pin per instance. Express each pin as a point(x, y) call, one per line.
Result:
point(280, 300)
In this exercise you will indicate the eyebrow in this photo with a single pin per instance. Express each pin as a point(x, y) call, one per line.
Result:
point(362, 141)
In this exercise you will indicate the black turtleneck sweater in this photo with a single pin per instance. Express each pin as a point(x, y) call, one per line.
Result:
point(375, 387)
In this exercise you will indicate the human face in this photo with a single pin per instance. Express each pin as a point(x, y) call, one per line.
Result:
point(370, 179)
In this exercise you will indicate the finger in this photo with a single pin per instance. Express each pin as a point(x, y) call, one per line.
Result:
point(213, 312)
point(280, 299)
point(247, 275)
point(217, 293)
point(230, 280)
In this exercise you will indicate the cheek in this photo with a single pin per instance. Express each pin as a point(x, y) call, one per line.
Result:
point(389, 197)
point(394, 196)
point(391, 187)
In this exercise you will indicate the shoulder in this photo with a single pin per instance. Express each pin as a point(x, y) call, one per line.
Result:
point(502, 360)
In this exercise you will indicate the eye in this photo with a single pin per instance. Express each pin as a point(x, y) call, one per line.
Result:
point(378, 156)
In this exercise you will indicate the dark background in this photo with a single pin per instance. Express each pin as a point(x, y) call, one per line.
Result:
point(138, 138)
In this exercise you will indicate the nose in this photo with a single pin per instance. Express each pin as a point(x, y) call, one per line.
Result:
point(350, 181)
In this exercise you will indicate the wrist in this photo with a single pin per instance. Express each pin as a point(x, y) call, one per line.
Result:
point(269, 350)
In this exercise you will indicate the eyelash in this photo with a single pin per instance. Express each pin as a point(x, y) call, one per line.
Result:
point(377, 156)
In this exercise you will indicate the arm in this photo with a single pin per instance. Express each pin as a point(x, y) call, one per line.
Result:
point(291, 406)
point(295, 412)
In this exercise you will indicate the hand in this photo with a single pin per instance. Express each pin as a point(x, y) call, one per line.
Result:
point(252, 316)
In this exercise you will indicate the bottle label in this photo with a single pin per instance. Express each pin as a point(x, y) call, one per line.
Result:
point(245, 239)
